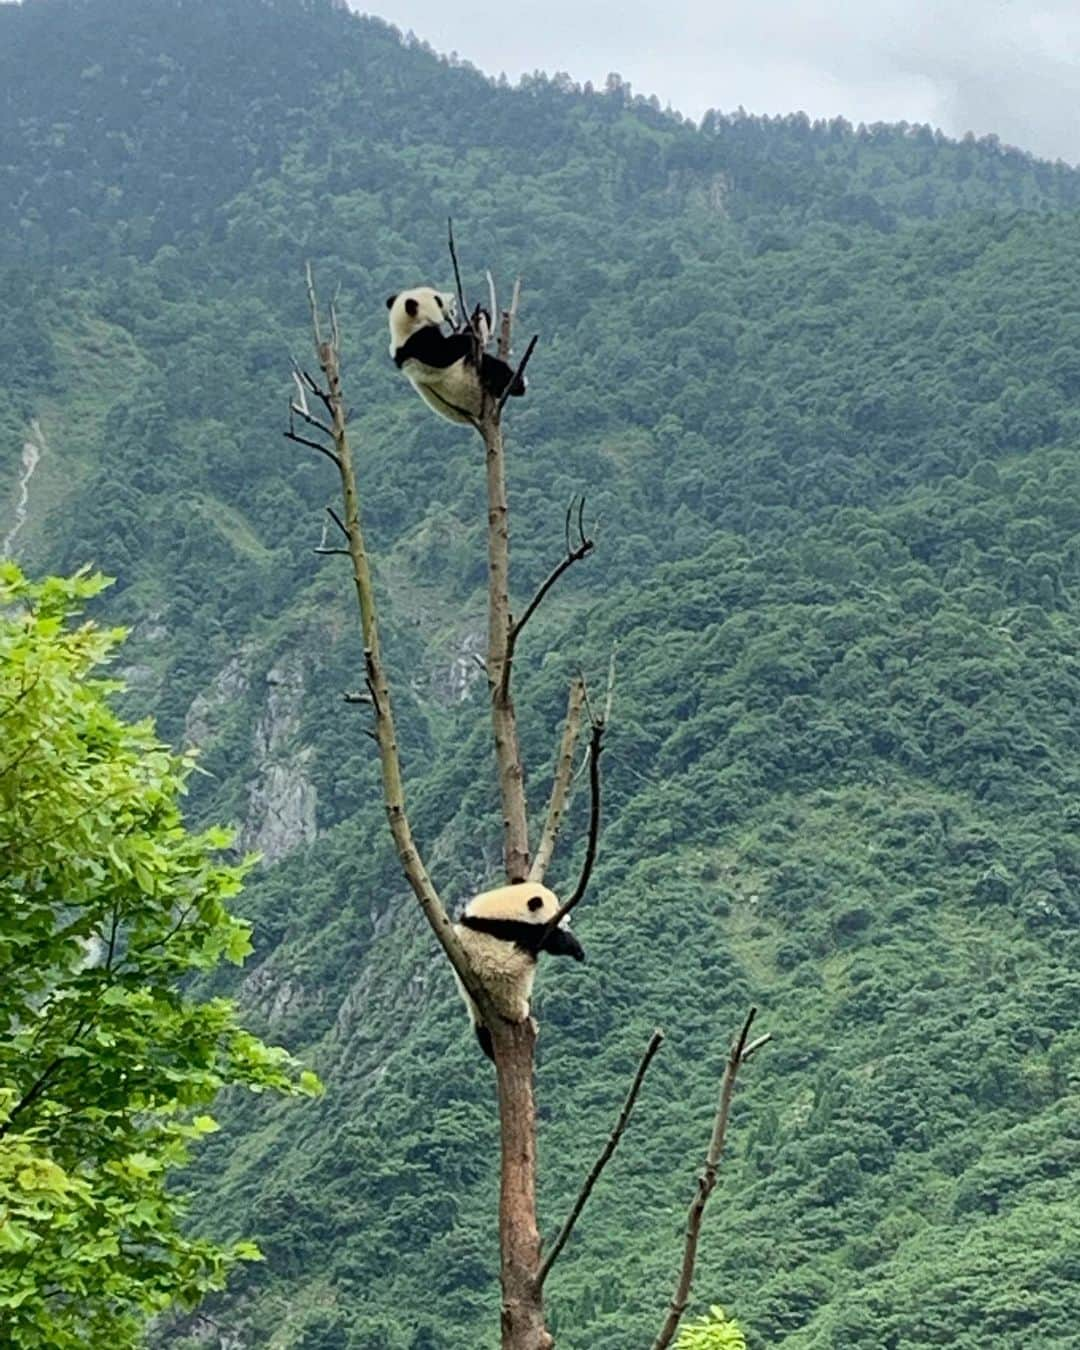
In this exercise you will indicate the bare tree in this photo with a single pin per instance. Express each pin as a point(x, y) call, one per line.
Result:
point(739, 1053)
point(317, 420)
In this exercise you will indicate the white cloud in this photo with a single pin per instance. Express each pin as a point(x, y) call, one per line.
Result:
point(1011, 67)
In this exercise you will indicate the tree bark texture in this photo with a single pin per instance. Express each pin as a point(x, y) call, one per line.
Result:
point(503, 715)
point(523, 1325)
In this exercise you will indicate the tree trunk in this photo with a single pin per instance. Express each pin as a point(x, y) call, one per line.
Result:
point(519, 1239)
point(503, 715)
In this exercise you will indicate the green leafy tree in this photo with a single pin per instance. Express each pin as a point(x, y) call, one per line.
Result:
point(714, 1332)
point(107, 1065)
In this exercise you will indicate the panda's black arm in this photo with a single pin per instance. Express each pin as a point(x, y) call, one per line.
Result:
point(434, 348)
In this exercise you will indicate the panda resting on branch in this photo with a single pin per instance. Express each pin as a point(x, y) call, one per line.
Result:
point(442, 367)
point(503, 932)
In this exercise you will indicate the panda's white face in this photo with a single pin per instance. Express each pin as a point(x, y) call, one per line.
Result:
point(420, 307)
point(523, 914)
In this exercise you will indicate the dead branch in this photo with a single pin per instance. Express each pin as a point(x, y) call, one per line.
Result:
point(609, 1148)
point(331, 395)
point(506, 326)
point(464, 319)
point(560, 784)
point(596, 744)
point(609, 695)
point(313, 307)
point(574, 553)
point(313, 385)
point(313, 445)
point(739, 1053)
point(310, 419)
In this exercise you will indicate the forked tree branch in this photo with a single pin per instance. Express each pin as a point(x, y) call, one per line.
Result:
point(560, 783)
point(330, 394)
point(655, 1042)
point(738, 1055)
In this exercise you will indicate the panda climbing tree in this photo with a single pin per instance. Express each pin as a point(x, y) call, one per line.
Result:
point(499, 935)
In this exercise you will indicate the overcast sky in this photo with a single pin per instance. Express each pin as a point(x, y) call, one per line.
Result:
point(1006, 66)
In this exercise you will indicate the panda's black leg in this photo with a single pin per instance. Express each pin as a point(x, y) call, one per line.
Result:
point(495, 375)
point(484, 1037)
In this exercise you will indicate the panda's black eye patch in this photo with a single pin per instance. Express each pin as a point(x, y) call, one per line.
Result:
point(536, 902)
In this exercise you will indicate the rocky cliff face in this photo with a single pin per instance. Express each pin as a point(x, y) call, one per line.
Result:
point(230, 683)
point(282, 797)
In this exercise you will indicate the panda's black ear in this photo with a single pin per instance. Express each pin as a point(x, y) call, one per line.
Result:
point(412, 307)
point(536, 902)
point(390, 300)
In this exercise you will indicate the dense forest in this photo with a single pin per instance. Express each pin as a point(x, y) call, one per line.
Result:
point(819, 385)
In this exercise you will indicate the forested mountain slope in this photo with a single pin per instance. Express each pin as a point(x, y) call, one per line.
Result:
point(820, 386)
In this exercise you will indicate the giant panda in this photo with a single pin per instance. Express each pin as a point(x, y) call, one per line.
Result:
point(503, 932)
point(441, 367)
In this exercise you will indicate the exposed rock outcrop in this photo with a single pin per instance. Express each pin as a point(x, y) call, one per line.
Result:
point(282, 797)
point(230, 683)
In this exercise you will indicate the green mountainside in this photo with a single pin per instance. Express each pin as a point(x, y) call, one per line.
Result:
point(820, 387)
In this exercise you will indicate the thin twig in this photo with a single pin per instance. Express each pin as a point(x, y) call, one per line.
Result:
point(596, 744)
point(506, 326)
point(560, 783)
point(310, 419)
point(301, 389)
point(755, 1045)
point(325, 552)
point(655, 1042)
point(737, 1056)
point(337, 521)
point(315, 387)
point(466, 321)
point(574, 554)
point(313, 445)
point(609, 697)
point(313, 305)
point(520, 370)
